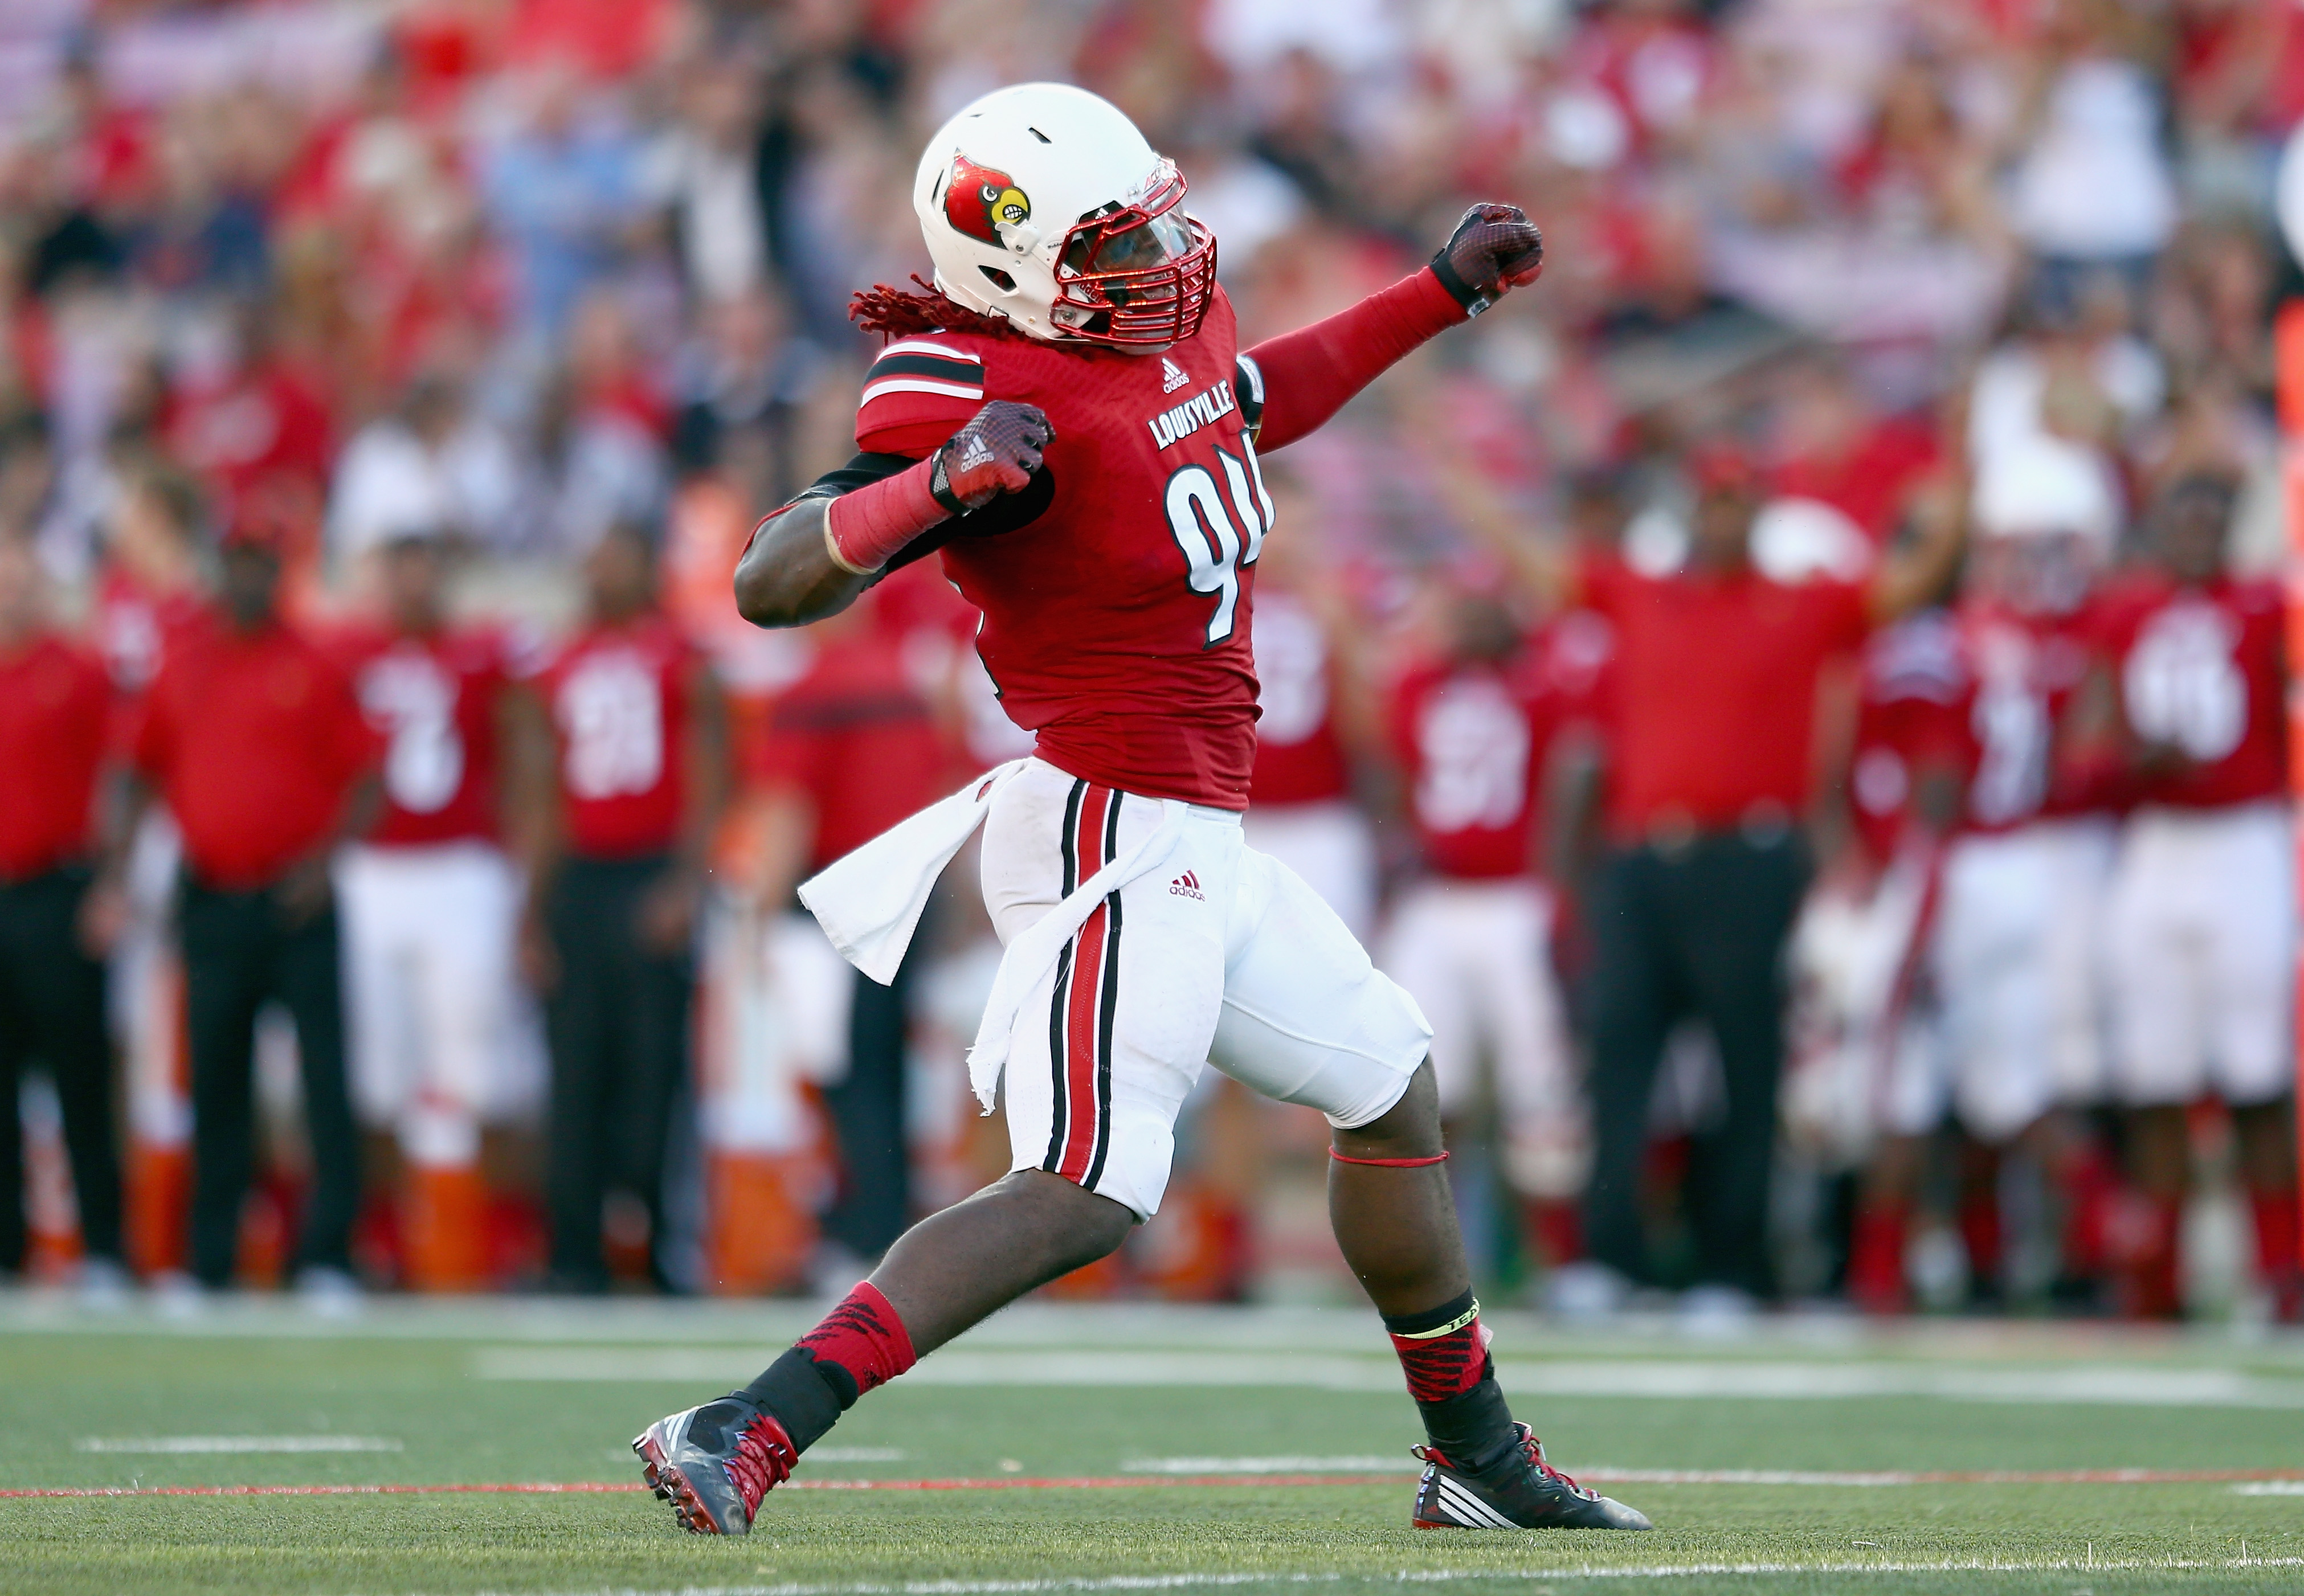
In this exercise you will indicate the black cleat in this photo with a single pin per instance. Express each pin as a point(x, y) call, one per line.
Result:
point(1521, 1492)
point(714, 1463)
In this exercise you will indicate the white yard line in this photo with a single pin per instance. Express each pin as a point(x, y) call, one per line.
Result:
point(174, 1445)
point(1195, 1582)
point(1658, 1379)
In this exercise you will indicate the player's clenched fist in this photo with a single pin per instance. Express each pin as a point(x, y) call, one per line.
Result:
point(996, 452)
point(1495, 247)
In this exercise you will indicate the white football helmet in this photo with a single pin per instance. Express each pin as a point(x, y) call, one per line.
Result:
point(1042, 203)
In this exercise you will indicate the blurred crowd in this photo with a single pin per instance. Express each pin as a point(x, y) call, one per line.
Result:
point(1797, 695)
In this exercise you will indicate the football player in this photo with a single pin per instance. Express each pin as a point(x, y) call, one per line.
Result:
point(1066, 416)
point(2201, 922)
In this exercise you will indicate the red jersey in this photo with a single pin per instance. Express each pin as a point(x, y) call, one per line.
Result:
point(2201, 671)
point(2023, 670)
point(618, 697)
point(53, 699)
point(1471, 739)
point(1299, 759)
point(1910, 714)
point(434, 701)
point(1116, 621)
point(1713, 710)
point(255, 740)
point(856, 736)
point(133, 626)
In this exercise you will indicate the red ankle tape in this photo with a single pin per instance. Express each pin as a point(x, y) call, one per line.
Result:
point(1390, 1163)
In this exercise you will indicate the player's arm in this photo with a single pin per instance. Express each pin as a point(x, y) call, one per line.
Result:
point(1301, 378)
point(815, 555)
point(1918, 571)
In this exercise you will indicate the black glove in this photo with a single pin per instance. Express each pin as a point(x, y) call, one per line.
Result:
point(1496, 247)
point(996, 452)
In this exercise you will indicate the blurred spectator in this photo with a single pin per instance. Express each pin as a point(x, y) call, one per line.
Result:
point(849, 750)
point(252, 735)
point(52, 702)
point(565, 192)
point(424, 469)
point(430, 905)
point(641, 756)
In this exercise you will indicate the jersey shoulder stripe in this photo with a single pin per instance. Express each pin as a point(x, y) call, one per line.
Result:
point(918, 394)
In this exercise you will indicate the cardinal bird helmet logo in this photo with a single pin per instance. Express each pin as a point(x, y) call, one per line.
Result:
point(981, 200)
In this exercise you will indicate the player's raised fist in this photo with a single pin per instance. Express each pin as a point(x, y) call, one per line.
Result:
point(996, 452)
point(1495, 247)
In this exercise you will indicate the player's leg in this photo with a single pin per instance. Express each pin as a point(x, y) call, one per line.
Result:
point(1308, 1019)
point(308, 980)
point(1735, 904)
point(1546, 1138)
point(585, 902)
point(224, 944)
point(68, 1008)
point(1104, 1052)
point(2251, 956)
point(1635, 1000)
point(2161, 1037)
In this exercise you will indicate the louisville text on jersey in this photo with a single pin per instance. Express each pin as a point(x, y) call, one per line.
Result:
point(1172, 426)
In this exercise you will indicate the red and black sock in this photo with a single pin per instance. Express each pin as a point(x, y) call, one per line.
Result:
point(1445, 1353)
point(860, 1345)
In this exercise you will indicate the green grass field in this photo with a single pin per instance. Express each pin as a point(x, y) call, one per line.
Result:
point(1251, 1449)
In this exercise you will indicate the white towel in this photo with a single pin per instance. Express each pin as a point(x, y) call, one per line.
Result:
point(1036, 946)
point(869, 900)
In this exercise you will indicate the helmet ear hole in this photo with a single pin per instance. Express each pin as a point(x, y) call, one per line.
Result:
point(998, 279)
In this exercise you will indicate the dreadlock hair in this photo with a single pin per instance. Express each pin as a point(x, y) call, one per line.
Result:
point(892, 312)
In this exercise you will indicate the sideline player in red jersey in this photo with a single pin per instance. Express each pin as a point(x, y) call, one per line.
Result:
point(1069, 419)
point(2200, 926)
point(431, 906)
point(1473, 728)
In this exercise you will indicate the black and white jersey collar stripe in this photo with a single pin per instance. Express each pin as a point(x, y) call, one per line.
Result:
point(916, 366)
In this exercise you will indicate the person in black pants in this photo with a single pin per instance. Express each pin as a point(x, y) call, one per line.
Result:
point(53, 702)
point(252, 735)
point(632, 733)
point(1696, 928)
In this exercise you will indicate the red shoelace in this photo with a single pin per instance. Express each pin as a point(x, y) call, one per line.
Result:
point(764, 1460)
point(1534, 1450)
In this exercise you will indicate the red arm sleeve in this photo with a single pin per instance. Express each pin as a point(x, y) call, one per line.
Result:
point(1307, 375)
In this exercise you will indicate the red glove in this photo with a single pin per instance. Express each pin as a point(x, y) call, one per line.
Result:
point(1495, 247)
point(996, 452)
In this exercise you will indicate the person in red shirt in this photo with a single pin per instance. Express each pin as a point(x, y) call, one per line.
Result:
point(616, 876)
point(53, 699)
point(850, 749)
point(252, 735)
point(2201, 919)
point(430, 902)
point(1712, 767)
point(1471, 937)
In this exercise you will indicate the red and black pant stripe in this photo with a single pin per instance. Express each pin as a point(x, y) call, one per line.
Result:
point(1088, 991)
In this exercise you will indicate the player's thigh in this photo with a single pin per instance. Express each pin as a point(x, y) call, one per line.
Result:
point(1519, 1001)
point(1422, 948)
point(1107, 1046)
point(2158, 1031)
point(1994, 974)
point(375, 905)
point(1307, 1017)
point(468, 983)
point(2249, 955)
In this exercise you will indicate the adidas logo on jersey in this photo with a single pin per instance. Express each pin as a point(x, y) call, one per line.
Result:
point(1187, 885)
point(1171, 375)
point(1170, 427)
